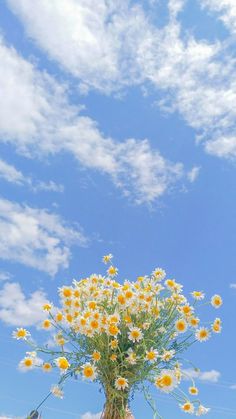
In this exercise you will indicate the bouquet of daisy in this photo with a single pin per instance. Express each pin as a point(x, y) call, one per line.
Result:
point(123, 336)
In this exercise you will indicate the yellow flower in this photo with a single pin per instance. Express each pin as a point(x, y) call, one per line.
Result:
point(59, 317)
point(152, 355)
point(27, 363)
point(114, 343)
point(166, 381)
point(62, 363)
point(216, 327)
point(202, 334)
point(198, 295)
point(121, 383)
point(187, 407)
point(193, 390)
point(89, 371)
point(107, 258)
point(216, 301)
point(47, 324)
point(135, 334)
point(112, 271)
point(113, 329)
point(96, 356)
point(47, 307)
point(21, 333)
point(92, 305)
point(66, 292)
point(47, 367)
point(113, 357)
point(181, 326)
point(194, 321)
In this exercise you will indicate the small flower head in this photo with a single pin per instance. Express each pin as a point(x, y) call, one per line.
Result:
point(26, 364)
point(216, 301)
point(47, 307)
point(89, 371)
point(112, 271)
point(135, 334)
point(202, 410)
point(198, 295)
point(193, 390)
point(187, 407)
point(121, 383)
point(62, 363)
point(202, 334)
point(107, 258)
point(47, 367)
point(159, 274)
point(20, 333)
point(46, 324)
point(166, 381)
point(96, 356)
point(57, 392)
point(152, 355)
point(181, 326)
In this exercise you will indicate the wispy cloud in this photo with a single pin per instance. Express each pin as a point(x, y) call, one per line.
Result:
point(233, 285)
point(211, 376)
point(225, 10)
point(16, 309)
point(112, 46)
point(36, 237)
point(39, 127)
point(9, 173)
point(90, 415)
point(5, 276)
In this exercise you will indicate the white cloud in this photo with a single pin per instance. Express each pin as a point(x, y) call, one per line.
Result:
point(18, 310)
point(35, 237)
point(90, 415)
point(99, 40)
point(115, 44)
point(31, 118)
point(193, 174)
point(232, 285)
point(5, 276)
point(9, 173)
point(210, 376)
point(233, 387)
point(225, 9)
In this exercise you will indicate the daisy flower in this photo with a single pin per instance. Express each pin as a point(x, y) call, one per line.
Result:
point(26, 364)
point(187, 407)
point(107, 258)
point(135, 334)
point(89, 371)
point(47, 367)
point(202, 410)
point(121, 383)
point(96, 356)
point(216, 301)
point(166, 381)
point(151, 355)
point(202, 334)
point(57, 392)
point(198, 295)
point(193, 390)
point(21, 333)
point(181, 326)
point(62, 363)
point(112, 271)
point(159, 274)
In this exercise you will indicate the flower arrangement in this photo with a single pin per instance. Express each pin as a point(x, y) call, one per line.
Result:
point(123, 336)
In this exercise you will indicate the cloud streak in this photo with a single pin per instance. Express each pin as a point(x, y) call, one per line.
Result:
point(36, 237)
point(32, 119)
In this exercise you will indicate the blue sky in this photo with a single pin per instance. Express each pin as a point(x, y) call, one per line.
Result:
point(117, 134)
